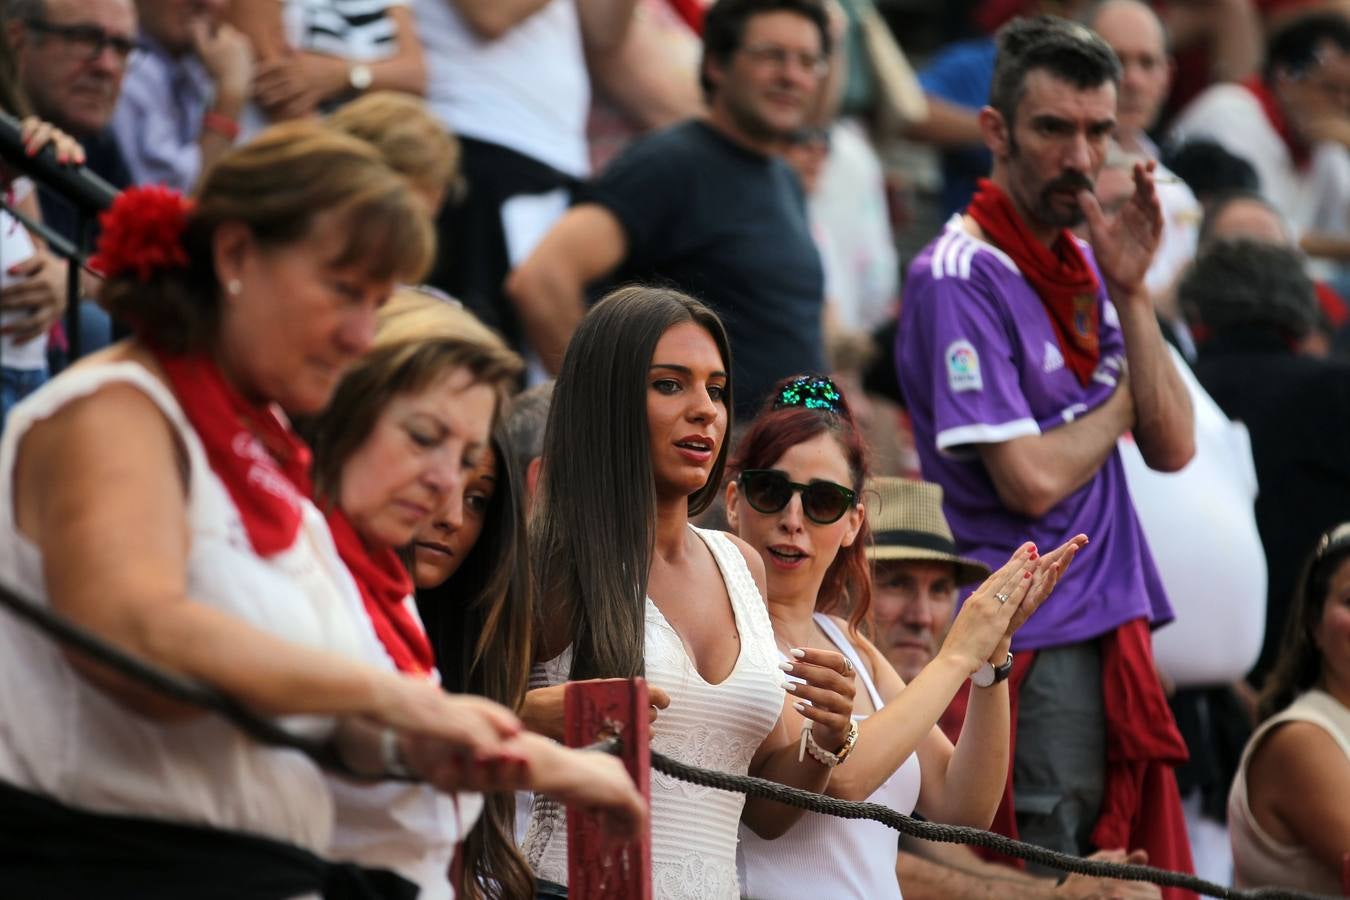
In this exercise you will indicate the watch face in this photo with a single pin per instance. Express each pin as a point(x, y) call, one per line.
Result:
point(360, 77)
point(984, 675)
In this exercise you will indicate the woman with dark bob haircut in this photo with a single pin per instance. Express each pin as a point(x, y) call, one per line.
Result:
point(156, 495)
point(1288, 813)
point(635, 445)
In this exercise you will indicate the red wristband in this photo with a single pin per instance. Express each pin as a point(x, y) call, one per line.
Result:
point(221, 124)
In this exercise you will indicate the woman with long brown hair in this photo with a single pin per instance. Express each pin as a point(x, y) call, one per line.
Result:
point(635, 445)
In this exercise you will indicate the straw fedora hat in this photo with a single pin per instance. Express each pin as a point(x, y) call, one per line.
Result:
point(907, 523)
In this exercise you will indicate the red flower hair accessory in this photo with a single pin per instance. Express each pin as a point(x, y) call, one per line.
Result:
point(142, 233)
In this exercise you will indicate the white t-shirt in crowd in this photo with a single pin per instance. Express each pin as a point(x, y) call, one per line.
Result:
point(527, 91)
point(1312, 198)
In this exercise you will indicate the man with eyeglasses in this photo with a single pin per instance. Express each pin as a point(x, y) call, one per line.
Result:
point(708, 206)
point(1024, 353)
point(70, 56)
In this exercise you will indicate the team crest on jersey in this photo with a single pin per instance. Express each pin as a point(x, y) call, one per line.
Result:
point(1082, 314)
point(963, 367)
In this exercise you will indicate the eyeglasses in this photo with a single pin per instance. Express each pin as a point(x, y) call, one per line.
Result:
point(772, 54)
point(769, 491)
point(88, 40)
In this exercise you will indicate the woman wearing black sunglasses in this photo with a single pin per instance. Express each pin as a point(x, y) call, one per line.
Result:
point(796, 497)
point(635, 445)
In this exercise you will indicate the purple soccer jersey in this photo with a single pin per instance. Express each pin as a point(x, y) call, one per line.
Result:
point(979, 362)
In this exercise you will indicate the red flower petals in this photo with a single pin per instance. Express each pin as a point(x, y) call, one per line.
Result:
point(142, 233)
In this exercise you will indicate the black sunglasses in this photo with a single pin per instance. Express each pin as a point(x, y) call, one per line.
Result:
point(769, 491)
point(88, 40)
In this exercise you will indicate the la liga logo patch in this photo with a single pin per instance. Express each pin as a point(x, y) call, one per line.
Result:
point(963, 367)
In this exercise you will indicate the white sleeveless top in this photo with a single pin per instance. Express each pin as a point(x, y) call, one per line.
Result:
point(410, 829)
point(823, 856)
point(1258, 859)
point(62, 737)
point(716, 726)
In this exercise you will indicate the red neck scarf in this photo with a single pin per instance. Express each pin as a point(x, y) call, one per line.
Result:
point(263, 464)
point(385, 586)
point(1060, 276)
point(1299, 152)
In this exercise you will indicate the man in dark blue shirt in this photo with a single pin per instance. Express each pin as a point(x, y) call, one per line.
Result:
point(707, 206)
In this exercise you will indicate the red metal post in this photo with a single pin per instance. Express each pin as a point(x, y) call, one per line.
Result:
point(598, 868)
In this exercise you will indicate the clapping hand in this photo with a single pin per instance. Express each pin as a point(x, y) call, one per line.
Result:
point(1125, 241)
point(984, 627)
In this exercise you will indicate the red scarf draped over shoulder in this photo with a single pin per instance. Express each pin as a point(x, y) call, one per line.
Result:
point(1141, 806)
point(385, 587)
point(251, 448)
point(1059, 274)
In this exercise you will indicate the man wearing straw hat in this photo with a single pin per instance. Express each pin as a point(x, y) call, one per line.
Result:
point(916, 574)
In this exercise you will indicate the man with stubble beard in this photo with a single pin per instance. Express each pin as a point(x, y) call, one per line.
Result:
point(707, 206)
point(1024, 354)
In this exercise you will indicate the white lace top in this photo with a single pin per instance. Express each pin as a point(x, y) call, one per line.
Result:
point(63, 738)
point(716, 726)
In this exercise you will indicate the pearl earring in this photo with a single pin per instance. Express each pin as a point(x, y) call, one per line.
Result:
point(233, 287)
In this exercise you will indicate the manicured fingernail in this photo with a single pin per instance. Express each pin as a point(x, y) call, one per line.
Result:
point(12, 269)
point(789, 687)
point(785, 666)
point(797, 652)
point(799, 707)
point(1026, 574)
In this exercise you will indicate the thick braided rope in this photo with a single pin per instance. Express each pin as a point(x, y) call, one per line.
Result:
point(947, 834)
point(267, 732)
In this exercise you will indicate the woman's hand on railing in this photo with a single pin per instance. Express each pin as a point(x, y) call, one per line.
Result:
point(37, 134)
point(543, 711)
point(586, 780)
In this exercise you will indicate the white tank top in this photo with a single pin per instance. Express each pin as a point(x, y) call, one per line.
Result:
point(63, 738)
point(716, 726)
point(1258, 859)
point(824, 856)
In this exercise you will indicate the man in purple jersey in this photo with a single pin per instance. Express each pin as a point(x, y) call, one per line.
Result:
point(1024, 354)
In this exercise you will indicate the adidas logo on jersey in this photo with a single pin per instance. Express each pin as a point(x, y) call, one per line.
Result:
point(1054, 360)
